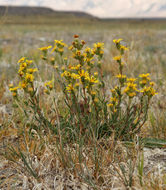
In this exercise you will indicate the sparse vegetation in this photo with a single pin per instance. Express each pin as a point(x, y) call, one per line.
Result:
point(62, 127)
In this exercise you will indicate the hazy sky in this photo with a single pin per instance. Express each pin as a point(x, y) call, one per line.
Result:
point(102, 8)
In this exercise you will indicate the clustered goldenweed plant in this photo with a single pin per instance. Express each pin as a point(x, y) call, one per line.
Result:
point(87, 110)
point(86, 113)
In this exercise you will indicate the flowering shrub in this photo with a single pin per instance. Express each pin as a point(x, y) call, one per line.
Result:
point(89, 110)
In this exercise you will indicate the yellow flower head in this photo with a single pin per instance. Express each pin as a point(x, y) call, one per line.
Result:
point(132, 85)
point(31, 70)
point(131, 94)
point(113, 103)
point(75, 76)
point(121, 76)
point(21, 73)
point(99, 45)
point(29, 62)
point(87, 50)
point(82, 73)
point(23, 84)
point(123, 48)
point(29, 77)
point(66, 74)
point(131, 89)
point(23, 66)
point(60, 44)
point(77, 66)
point(145, 78)
point(148, 91)
point(91, 79)
point(14, 89)
point(144, 75)
point(117, 41)
point(93, 93)
point(96, 100)
point(49, 84)
point(70, 88)
point(88, 59)
point(113, 100)
point(70, 47)
point(78, 52)
point(77, 84)
point(101, 52)
point(117, 58)
point(14, 94)
point(44, 49)
point(60, 50)
point(110, 105)
point(131, 80)
point(152, 83)
point(22, 60)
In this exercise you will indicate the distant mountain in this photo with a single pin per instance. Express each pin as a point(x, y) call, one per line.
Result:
point(41, 11)
point(101, 8)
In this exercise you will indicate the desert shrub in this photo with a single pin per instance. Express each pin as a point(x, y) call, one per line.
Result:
point(86, 108)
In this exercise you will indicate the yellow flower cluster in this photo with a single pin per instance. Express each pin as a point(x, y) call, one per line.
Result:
point(45, 49)
point(131, 80)
point(117, 41)
point(26, 75)
point(76, 44)
point(79, 77)
point(49, 86)
point(77, 54)
point(131, 88)
point(114, 100)
point(59, 47)
point(119, 46)
point(70, 88)
point(81, 74)
point(77, 67)
point(98, 49)
point(13, 90)
point(122, 78)
point(148, 91)
point(84, 56)
point(147, 85)
point(89, 55)
point(52, 60)
point(118, 58)
point(144, 79)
